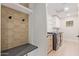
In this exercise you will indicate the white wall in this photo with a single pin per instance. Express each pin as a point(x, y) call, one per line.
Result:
point(38, 28)
point(70, 33)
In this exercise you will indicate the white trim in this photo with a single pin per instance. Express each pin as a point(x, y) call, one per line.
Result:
point(18, 7)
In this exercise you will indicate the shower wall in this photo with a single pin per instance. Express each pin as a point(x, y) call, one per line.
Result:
point(14, 28)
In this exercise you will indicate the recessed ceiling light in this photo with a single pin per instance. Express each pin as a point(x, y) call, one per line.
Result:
point(66, 9)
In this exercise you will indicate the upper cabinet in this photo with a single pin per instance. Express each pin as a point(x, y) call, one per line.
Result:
point(57, 22)
point(53, 23)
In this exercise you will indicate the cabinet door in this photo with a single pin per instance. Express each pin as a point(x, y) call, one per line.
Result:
point(50, 43)
point(61, 38)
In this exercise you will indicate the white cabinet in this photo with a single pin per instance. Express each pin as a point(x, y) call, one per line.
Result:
point(56, 21)
point(53, 22)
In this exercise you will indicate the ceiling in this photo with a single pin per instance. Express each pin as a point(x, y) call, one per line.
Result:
point(62, 10)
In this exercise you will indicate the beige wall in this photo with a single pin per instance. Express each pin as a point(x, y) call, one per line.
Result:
point(14, 31)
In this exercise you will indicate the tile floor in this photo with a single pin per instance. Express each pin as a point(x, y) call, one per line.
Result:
point(68, 48)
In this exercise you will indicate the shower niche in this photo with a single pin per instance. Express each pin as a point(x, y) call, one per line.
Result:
point(14, 28)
